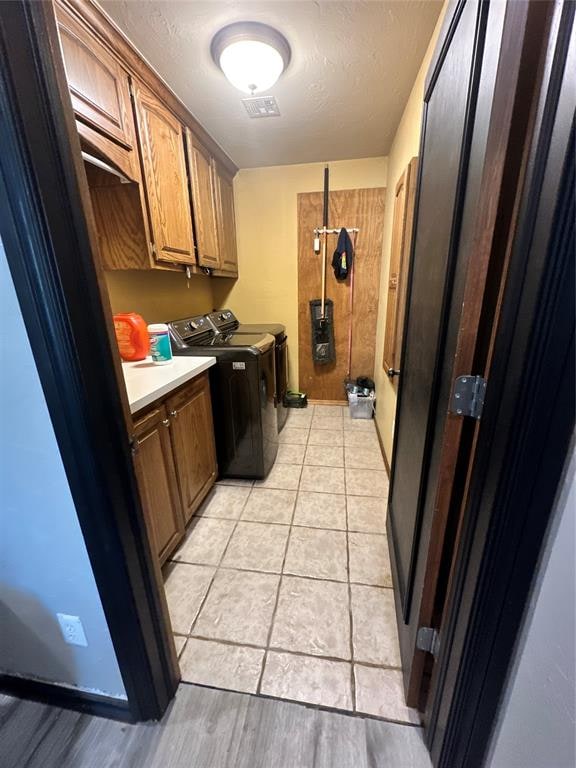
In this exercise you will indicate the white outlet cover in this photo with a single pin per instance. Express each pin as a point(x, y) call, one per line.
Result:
point(72, 629)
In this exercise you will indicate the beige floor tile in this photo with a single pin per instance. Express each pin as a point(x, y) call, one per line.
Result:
point(359, 425)
point(206, 541)
point(238, 608)
point(321, 510)
point(267, 505)
point(308, 679)
point(327, 422)
point(369, 457)
point(381, 692)
point(282, 476)
point(369, 559)
point(360, 439)
point(366, 482)
point(300, 417)
point(234, 667)
point(366, 514)
point(290, 454)
point(294, 435)
point(225, 501)
point(179, 642)
point(257, 547)
point(374, 632)
point(185, 586)
point(312, 617)
point(326, 437)
point(328, 410)
point(322, 479)
point(324, 456)
point(317, 553)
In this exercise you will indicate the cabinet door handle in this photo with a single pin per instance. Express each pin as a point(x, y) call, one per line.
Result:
point(166, 422)
point(174, 414)
point(134, 444)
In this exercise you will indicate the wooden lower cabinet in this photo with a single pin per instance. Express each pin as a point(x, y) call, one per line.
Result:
point(155, 470)
point(175, 462)
point(193, 442)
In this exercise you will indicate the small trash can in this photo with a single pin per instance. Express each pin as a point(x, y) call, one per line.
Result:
point(361, 404)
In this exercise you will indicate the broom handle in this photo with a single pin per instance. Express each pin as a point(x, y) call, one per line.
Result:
point(323, 306)
point(325, 242)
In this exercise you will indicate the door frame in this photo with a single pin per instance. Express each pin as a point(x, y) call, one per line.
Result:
point(524, 438)
point(50, 243)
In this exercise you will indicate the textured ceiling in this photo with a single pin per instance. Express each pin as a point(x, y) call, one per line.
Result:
point(353, 65)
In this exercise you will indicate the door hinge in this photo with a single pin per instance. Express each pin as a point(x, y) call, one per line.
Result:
point(428, 640)
point(468, 396)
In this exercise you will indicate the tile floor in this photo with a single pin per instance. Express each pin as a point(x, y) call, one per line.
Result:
point(283, 586)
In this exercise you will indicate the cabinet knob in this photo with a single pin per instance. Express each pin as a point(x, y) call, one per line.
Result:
point(174, 414)
point(166, 422)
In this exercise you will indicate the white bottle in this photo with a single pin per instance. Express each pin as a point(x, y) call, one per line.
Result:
point(160, 348)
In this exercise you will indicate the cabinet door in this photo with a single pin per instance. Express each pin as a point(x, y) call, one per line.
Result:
point(203, 203)
point(98, 84)
point(193, 442)
point(226, 223)
point(154, 464)
point(161, 138)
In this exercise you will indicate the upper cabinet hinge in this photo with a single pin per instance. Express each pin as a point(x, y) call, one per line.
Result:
point(428, 640)
point(468, 396)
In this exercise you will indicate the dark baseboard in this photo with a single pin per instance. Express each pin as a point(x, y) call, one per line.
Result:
point(66, 698)
point(386, 464)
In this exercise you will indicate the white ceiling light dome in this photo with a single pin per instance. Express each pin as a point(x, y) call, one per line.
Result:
point(251, 55)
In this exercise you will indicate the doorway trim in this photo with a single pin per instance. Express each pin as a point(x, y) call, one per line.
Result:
point(50, 246)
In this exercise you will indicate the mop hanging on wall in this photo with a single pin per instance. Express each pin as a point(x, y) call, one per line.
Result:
point(322, 310)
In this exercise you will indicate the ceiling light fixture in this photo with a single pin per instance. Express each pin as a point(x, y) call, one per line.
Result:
point(251, 55)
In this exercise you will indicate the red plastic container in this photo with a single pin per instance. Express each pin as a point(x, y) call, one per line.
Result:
point(132, 336)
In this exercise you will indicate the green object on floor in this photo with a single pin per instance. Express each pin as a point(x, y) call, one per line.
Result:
point(295, 400)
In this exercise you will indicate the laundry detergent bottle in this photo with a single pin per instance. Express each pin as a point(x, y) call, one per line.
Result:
point(160, 348)
point(132, 336)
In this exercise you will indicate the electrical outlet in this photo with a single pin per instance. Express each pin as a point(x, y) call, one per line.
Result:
point(72, 629)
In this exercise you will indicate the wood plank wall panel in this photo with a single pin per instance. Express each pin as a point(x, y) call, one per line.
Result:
point(363, 208)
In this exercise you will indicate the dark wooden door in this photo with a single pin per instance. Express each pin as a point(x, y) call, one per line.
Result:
point(476, 124)
point(154, 465)
point(192, 429)
point(446, 130)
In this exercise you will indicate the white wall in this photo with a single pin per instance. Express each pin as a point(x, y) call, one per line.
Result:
point(44, 566)
point(537, 721)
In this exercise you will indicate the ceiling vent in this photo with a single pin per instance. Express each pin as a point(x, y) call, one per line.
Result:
point(261, 106)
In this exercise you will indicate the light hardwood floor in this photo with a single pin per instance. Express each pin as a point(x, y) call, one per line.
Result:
point(206, 728)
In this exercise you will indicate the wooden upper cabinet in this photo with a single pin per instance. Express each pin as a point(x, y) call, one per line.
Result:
point(203, 202)
point(154, 466)
point(226, 222)
point(403, 217)
point(161, 140)
point(192, 432)
point(98, 84)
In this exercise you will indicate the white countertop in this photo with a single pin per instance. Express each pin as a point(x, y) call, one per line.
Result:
point(147, 382)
